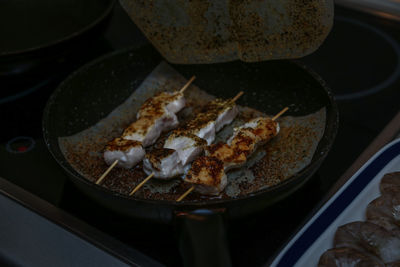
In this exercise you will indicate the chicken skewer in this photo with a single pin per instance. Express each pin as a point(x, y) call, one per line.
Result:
point(208, 173)
point(157, 114)
point(187, 143)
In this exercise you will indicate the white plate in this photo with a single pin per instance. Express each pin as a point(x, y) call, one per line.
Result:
point(347, 205)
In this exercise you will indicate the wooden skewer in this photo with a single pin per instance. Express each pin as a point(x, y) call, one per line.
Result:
point(185, 194)
point(237, 96)
point(192, 188)
point(141, 184)
point(187, 84)
point(106, 172)
point(116, 161)
point(280, 113)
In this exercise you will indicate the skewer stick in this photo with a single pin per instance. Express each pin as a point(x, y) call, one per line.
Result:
point(185, 194)
point(187, 84)
point(280, 113)
point(106, 172)
point(236, 97)
point(141, 184)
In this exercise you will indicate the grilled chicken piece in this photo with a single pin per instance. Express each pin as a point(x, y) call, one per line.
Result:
point(188, 145)
point(127, 152)
point(369, 237)
point(348, 257)
point(172, 102)
point(148, 129)
point(390, 183)
point(230, 157)
point(217, 114)
point(157, 114)
point(385, 211)
point(202, 126)
point(208, 174)
point(226, 111)
point(244, 142)
point(164, 163)
point(260, 129)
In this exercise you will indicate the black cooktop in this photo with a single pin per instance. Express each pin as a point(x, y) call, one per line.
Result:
point(360, 61)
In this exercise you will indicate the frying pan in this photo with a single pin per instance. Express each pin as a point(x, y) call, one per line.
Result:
point(43, 33)
point(97, 88)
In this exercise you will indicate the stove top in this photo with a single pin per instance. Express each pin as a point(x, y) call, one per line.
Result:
point(360, 60)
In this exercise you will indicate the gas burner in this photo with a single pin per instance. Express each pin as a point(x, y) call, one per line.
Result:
point(20, 144)
point(355, 71)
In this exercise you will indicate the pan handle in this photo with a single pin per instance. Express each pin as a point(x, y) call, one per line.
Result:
point(202, 238)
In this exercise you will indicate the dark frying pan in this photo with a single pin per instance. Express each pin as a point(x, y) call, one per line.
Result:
point(107, 79)
point(43, 33)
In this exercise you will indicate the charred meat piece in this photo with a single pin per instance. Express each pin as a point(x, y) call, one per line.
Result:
point(385, 211)
point(164, 163)
point(188, 146)
point(230, 157)
point(171, 102)
point(217, 114)
point(390, 183)
point(202, 127)
point(369, 237)
point(225, 110)
point(207, 173)
point(348, 257)
point(244, 142)
point(147, 129)
point(261, 129)
point(127, 152)
point(156, 115)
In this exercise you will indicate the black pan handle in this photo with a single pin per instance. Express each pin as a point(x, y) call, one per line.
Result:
point(202, 238)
